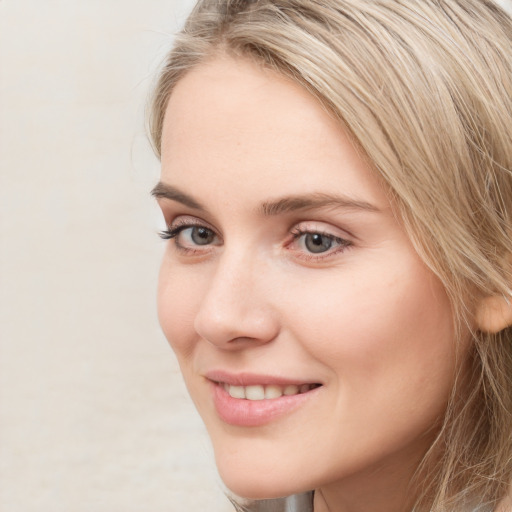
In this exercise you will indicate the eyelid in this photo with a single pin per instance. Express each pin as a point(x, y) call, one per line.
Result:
point(182, 223)
point(324, 228)
point(342, 238)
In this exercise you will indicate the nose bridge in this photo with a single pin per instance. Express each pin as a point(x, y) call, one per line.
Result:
point(236, 304)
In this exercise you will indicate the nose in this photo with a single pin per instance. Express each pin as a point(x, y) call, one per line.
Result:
point(236, 309)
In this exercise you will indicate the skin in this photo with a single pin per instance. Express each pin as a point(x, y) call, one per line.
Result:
point(365, 318)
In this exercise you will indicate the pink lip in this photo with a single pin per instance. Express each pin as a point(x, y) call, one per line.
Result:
point(252, 379)
point(253, 413)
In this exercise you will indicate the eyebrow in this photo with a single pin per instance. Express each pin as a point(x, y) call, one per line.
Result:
point(312, 201)
point(165, 191)
point(279, 206)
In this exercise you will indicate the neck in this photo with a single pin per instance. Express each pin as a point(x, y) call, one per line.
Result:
point(359, 500)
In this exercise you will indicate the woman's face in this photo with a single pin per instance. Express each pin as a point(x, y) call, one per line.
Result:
point(316, 345)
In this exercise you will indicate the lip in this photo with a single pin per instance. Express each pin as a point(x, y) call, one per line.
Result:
point(252, 379)
point(254, 413)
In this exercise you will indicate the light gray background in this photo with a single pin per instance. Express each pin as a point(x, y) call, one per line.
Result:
point(93, 414)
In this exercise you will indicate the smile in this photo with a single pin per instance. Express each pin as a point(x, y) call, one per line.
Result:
point(266, 392)
point(248, 404)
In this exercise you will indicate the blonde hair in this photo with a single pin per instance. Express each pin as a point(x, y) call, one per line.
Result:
point(425, 88)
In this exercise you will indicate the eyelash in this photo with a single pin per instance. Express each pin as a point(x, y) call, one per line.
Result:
point(343, 244)
point(297, 233)
point(173, 232)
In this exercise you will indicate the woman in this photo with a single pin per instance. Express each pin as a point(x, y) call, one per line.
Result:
point(337, 186)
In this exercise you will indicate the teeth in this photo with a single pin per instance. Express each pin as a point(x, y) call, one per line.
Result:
point(273, 392)
point(254, 393)
point(291, 390)
point(236, 391)
point(258, 392)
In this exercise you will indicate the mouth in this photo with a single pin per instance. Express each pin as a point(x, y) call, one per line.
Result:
point(252, 401)
point(266, 392)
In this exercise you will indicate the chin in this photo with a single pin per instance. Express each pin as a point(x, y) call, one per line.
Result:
point(256, 481)
point(254, 489)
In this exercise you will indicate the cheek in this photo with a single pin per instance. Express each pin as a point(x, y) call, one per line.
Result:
point(388, 344)
point(381, 330)
point(178, 298)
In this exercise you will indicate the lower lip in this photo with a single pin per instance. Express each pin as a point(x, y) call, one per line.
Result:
point(254, 413)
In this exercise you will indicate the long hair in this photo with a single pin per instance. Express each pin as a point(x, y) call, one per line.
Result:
point(424, 87)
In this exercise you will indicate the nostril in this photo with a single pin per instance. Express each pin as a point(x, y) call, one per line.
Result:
point(236, 329)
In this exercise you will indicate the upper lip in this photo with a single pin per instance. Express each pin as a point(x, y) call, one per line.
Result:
point(253, 379)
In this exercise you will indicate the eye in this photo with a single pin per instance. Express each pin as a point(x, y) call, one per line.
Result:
point(197, 235)
point(189, 236)
point(314, 243)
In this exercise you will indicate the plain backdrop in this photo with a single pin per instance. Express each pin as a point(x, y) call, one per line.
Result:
point(93, 413)
point(94, 416)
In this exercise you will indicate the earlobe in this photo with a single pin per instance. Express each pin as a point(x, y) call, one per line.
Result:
point(493, 314)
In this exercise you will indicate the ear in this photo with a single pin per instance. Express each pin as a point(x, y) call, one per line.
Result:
point(493, 314)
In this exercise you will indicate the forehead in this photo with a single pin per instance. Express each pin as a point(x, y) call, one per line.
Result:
point(239, 98)
point(231, 121)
